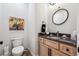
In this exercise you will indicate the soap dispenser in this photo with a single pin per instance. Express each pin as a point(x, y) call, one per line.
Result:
point(74, 35)
point(43, 27)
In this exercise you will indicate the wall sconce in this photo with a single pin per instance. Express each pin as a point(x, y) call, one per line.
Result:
point(57, 4)
point(52, 4)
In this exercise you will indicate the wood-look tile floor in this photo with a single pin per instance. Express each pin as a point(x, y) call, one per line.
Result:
point(27, 53)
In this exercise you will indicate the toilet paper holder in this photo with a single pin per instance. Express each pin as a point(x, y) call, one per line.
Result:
point(1, 42)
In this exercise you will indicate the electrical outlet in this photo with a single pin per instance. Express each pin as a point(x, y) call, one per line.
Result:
point(1, 42)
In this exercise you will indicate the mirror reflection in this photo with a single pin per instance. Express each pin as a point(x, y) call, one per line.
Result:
point(60, 16)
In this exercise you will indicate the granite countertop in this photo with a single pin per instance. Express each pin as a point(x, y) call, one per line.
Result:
point(65, 41)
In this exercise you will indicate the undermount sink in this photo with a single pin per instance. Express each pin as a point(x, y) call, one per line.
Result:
point(52, 37)
point(62, 39)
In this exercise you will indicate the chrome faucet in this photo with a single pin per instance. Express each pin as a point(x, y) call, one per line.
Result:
point(57, 33)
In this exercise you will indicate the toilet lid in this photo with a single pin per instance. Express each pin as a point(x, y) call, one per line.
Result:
point(18, 49)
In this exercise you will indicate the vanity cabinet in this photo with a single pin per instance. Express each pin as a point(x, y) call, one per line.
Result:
point(49, 47)
point(43, 50)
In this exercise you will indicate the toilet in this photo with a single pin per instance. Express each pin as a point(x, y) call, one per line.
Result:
point(18, 48)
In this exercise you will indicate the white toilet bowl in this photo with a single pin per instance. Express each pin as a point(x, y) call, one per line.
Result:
point(17, 51)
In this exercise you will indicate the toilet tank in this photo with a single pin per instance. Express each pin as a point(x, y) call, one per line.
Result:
point(17, 42)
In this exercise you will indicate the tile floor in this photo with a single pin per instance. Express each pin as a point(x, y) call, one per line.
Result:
point(27, 53)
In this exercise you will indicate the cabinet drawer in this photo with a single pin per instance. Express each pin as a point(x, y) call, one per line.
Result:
point(57, 53)
point(51, 43)
point(41, 40)
point(67, 49)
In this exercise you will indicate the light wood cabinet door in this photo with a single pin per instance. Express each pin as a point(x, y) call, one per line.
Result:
point(43, 50)
point(57, 53)
point(51, 43)
point(68, 49)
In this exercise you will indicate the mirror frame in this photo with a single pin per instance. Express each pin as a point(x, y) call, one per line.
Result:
point(58, 11)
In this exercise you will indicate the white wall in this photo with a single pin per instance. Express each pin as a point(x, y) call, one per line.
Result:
point(42, 14)
point(70, 25)
point(31, 27)
point(14, 10)
point(36, 14)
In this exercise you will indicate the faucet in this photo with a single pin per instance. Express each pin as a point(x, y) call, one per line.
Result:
point(57, 33)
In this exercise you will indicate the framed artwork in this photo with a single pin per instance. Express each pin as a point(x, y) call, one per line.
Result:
point(16, 23)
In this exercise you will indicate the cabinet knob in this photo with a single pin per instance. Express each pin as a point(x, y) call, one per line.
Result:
point(40, 39)
point(67, 49)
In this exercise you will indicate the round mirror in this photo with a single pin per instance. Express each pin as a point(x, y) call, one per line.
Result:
point(60, 16)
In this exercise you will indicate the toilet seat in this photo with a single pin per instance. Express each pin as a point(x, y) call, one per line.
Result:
point(17, 50)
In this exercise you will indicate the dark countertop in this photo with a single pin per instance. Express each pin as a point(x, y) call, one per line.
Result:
point(65, 41)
